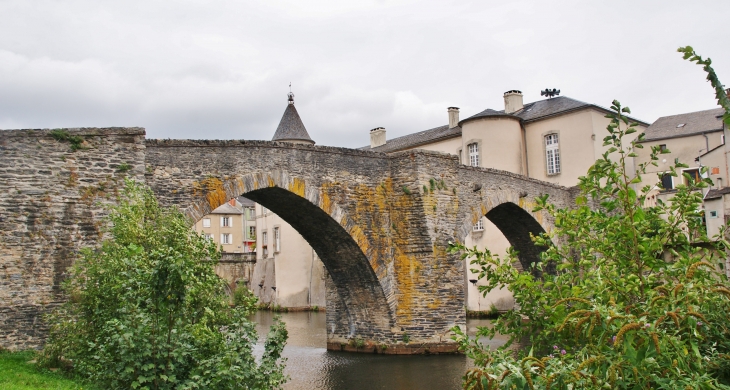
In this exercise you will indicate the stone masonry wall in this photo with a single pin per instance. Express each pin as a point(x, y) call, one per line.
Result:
point(51, 201)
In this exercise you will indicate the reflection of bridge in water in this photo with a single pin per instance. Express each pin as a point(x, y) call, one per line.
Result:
point(379, 223)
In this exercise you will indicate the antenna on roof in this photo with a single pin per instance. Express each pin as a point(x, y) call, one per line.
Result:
point(550, 93)
point(290, 95)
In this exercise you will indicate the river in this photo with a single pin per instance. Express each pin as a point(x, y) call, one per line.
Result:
point(310, 366)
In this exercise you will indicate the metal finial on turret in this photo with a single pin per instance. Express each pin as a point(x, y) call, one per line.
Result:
point(290, 95)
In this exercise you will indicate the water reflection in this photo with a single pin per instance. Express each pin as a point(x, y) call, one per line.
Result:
point(311, 366)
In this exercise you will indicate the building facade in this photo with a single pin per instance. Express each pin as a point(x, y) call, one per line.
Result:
point(231, 226)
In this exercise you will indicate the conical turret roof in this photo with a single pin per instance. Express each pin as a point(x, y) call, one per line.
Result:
point(291, 127)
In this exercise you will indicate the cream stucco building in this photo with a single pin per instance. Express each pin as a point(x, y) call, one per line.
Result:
point(232, 226)
point(696, 139)
point(554, 140)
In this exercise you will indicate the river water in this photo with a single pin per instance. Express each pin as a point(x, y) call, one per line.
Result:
point(310, 366)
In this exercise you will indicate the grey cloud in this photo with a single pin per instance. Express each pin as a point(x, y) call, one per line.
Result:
point(191, 69)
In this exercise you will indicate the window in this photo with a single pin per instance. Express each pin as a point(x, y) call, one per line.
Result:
point(722, 138)
point(252, 232)
point(694, 174)
point(662, 147)
point(264, 210)
point(264, 247)
point(226, 221)
point(667, 182)
point(552, 154)
point(479, 226)
point(713, 214)
point(226, 238)
point(473, 154)
point(277, 239)
point(208, 236)
point(206, 222)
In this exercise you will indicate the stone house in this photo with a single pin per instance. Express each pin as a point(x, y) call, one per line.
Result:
point(554, 140)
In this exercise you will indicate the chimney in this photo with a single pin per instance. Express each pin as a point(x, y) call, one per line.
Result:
point(512, 101)
point(453, 117)
point(377, 137)
point(232, 202)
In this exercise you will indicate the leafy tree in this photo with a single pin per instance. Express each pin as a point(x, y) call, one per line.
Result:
point(636, 300)
point(146, 310)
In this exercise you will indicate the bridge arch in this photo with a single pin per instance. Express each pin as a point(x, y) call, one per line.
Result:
point(362, 309)
point(511, 212)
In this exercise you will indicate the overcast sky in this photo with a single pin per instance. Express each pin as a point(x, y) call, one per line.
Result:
point(221, 69)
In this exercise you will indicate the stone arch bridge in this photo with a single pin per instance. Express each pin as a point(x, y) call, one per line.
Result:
point(380, 223)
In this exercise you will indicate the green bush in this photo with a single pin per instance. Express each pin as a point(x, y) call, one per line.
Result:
point(244, 298)
point(634, 299)
point(146, 310)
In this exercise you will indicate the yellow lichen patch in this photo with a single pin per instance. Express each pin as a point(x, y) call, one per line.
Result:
point(406, 265)
point(271, 181)
point(528, 206)
point(241, 185)
point(403, 268)
point(216, 198)
point(360, 238)
point(326, 202)
point(439, 252)
point(435, 304)
point(297, 186)
point(382, 192)
point(212, 188)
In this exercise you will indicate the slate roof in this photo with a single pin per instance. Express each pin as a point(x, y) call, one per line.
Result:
point(717, 193)
point(226, 208)
point(694, 123)
point(489, 113)
point(415, 139)
point(543, 109)
point(245, 202)
point(291, 127)
point(531, 112)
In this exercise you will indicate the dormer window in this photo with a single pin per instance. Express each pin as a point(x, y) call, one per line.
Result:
point(681, 125)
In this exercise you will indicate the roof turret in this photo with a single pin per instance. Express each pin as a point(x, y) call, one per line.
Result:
point(291, 128)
